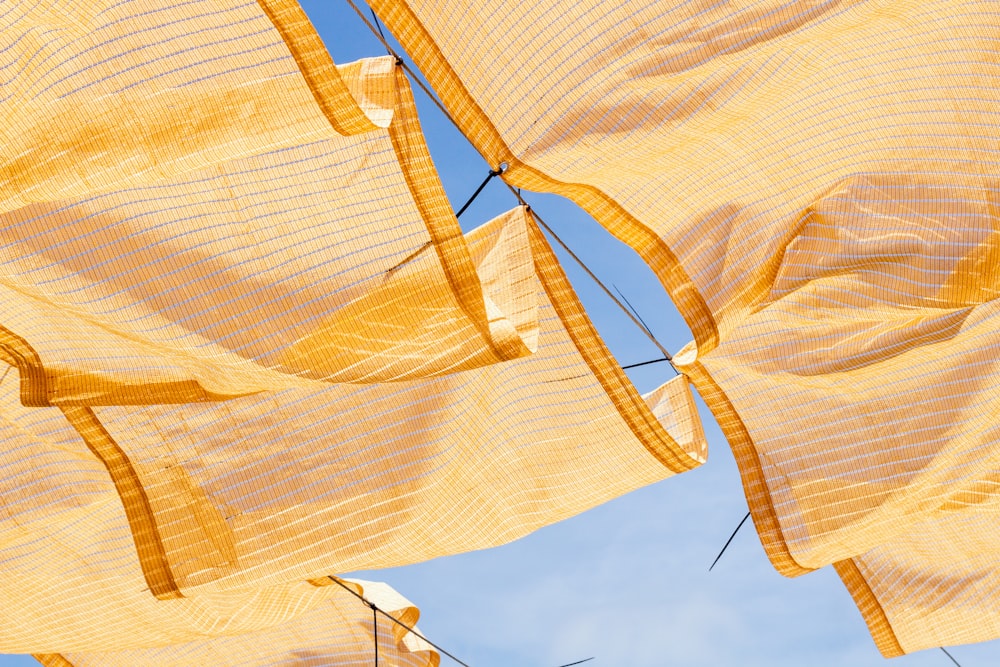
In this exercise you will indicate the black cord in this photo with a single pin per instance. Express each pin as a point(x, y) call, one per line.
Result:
point(380, 33)
point(393, 618)
point(645, 363)
point(950, 656)
point(726, 545)
point(634, 311)
point(493, 174)
point(375, 626)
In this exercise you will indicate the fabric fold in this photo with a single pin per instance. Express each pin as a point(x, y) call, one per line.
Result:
point(341, 630)
point(73, 584)
point(812, 183)
point(259, 251)
point(948, 562)
point(289, 485)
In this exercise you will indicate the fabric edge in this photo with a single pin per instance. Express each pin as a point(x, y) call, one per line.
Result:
point(407, 616)
point(878, 623)
point(405, 25)
point(630, 405)
point(650, 248)
point(34, 383)
point(51, 660)
point(336, 101)
point(442, 225)
point(474, 123)
point(142, 522)
point(755, 488)
point(329, 90)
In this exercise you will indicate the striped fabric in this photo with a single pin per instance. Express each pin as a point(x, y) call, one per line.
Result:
point(73, 584)
point(339, 631)
point(917, 604)
point(249, 346)
point(209, 233)
point(312, 482)
point(814, 184)
point(288, 485)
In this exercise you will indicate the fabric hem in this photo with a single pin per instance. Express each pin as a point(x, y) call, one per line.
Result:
point(755, 488)
point(34, 383)
point(477, 127)
point(142, 522)
point(336, 101)
point(320, 72)
point(878, 623)
point(446, 235)
point(630, 405)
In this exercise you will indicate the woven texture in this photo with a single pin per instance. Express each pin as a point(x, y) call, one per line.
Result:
point(249, 346)
point(256, 248)
point(73, 583)
point(341, 630)
point(917, 602)
point(814, 184)
point(292, 484)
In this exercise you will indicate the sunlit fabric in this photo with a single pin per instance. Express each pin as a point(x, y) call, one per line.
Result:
point(252, 347)
point(73, 583)
point(341, 630)
point(288, 485)
point(814, 184)
point(182, 219)
point(937, 584)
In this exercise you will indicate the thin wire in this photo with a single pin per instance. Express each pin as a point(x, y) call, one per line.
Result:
point(578, 662)
point(375, 31)
point(493, 174)
point(645, 363)
point(379, 26)
point(950, 656)
point(635, 320)
point(393, 619)
point(636, 312)
point(726, 545)
point(375, 625)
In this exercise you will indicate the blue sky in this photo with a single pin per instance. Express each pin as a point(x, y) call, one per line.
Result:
point(627, 582)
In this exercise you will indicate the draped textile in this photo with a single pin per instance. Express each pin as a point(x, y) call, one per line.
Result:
point(814, 184)
point(342, 631)
point(948, 563)
point(175, 189)
point(230, 266)
point(73, 584)
point(291, 484)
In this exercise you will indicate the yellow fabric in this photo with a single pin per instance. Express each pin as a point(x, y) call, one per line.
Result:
point(100, 94)
point(225, 239)
point(73, 583)
point(814, 184)
point(948, 562)
point(339, 631)
point(230, 266)
point(288, 485)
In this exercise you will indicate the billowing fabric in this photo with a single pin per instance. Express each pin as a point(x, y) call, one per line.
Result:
point(182, 219)
point(814, 184)
point(256, 348)
point(948, 564)
point(72, 582)
point(292, 484)
point(339, 631)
